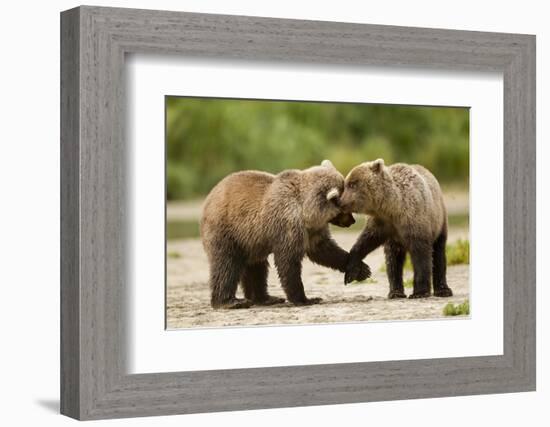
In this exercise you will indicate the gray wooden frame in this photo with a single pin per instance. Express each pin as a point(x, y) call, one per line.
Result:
point(94, 41)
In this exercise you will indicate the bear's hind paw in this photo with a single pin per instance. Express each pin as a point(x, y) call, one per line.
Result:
point(443, 292)
point(309, 301)
point(420, 295)
point(270, 300)
point(234, 303)
point(396, 294)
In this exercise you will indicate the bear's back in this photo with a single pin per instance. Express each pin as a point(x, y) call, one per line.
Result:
point(421, 196)
point(237, 195)
point(234, 207)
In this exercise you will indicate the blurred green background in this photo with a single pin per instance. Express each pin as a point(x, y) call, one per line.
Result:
point(209, 138)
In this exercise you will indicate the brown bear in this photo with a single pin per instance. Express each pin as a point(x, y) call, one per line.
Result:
point(406, 213)
point(249, 215)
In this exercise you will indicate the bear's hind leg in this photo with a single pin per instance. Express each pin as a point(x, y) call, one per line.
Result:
point(395, 259)
point(254, 284)
point(225, 272)
point(421, 257)
point(441, 289)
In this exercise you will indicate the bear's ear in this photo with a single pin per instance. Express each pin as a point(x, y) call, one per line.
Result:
point(377, 165)
point(327, 164)
point(333, 194)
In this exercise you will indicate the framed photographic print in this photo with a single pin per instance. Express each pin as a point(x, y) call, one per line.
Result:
point(201, 158)
point(261, 213)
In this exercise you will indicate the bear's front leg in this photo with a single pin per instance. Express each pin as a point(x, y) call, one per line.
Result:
point(289, 269)
point(371, 237)
point(323, 250)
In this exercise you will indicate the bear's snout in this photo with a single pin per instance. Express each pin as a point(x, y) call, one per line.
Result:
point(343, 219)
point(345, 202)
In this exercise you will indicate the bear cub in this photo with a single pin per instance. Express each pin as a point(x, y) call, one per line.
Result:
point(249, 215)
point(406, 213)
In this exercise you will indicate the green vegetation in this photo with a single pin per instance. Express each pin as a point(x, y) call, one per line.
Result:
point(182, 229)
point(408, 283)
point(458, 220)
point(210, 138)
point(369, 281)
point(457, 309)
point(458, 252)
point(173, 254)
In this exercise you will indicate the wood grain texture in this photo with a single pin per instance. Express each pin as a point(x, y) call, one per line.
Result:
point(94, 382)
point(70, 291)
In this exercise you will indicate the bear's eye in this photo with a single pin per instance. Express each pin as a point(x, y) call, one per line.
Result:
point(352, 184)
point(335, 201)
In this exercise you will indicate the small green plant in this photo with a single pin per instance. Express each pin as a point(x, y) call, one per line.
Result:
point(185, 229)
point(369, 281)
point(457, 309)
point(459, 220)
point(458, 252)
point(174, 254)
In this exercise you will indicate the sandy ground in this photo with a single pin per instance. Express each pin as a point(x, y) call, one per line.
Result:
point(188, 296)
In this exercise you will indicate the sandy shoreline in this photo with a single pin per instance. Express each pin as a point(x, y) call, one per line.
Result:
point(188, 295)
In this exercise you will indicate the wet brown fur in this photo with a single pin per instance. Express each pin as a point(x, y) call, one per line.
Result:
point(250, 214)
point(407, 213)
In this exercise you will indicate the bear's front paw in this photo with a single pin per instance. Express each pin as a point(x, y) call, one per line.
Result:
point(356, 271)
